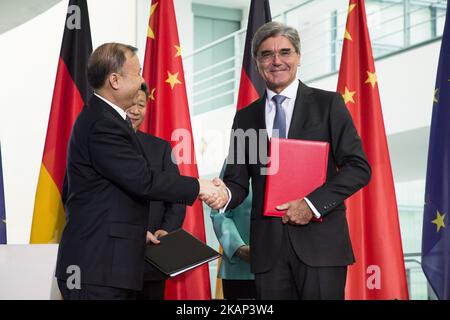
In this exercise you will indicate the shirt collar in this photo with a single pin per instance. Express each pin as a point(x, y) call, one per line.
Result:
point(119, 110)
point(289, 92)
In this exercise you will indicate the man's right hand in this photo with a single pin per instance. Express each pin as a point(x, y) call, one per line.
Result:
point(214, 194)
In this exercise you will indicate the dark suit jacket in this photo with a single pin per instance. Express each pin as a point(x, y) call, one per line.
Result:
point(318, 115)
point(109, 185)
point(163, 215)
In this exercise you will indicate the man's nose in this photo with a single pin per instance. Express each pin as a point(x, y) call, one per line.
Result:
point(132, 111)
point(276, 59)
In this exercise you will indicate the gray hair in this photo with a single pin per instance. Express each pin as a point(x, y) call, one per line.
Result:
point(106, 59)
point(273, 29)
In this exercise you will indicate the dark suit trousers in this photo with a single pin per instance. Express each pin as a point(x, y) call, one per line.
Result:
point(291, 279)
point(152, 290)
point(238, 289)
point(94, 292)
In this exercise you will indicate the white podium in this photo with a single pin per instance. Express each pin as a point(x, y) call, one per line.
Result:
point(27, 272)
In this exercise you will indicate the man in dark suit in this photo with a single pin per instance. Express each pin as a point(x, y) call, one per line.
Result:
point(164, 217)
point(109, 184)
point(294, 257)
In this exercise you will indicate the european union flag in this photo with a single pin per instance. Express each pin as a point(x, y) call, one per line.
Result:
point(436, 228)
point(2, 206)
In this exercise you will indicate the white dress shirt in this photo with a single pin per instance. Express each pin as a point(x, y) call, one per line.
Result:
point(290, 92)
point(119, 110)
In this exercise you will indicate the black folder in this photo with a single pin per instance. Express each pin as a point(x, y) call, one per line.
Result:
point(179, 251)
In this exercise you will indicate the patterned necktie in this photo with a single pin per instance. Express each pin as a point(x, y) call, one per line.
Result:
point(280, 117)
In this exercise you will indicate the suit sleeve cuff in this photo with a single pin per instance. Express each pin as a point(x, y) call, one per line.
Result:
point(221, 211)
point(313, 209)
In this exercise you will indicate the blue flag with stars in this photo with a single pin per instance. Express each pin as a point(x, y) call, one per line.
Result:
point(436, 223)
point(2, 206)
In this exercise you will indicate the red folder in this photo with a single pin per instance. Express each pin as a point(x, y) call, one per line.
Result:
point(296, 168)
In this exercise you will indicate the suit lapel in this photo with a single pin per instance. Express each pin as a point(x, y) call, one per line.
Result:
point(260, 116)
point(109, 112)
point(300, 114)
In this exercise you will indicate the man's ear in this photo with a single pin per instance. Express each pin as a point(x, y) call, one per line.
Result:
point(114, 80)
point(256, 64)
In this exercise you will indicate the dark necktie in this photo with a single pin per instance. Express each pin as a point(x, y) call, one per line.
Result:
point(279, 122)
point(128, 120)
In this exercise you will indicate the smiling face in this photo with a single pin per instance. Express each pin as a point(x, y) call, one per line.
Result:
point(125, 82)
point(136, 112)
point(131, 78)
point(277, 62)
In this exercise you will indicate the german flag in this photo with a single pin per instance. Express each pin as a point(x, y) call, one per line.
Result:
point(252, 86)
point(70, 93)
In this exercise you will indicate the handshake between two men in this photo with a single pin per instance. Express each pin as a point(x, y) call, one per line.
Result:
point(216, 195)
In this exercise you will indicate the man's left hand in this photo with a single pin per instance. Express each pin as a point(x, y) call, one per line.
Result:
point(160, 233)
point(152, 238)
point(298, 212)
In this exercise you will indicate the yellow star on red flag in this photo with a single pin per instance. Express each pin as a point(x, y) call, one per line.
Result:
point(151, 96)
point(371, 78)
point(150, 33)
point(178, 54)
point(173, 79)
point(347, 35)
point(351, 7)
point(348, 96)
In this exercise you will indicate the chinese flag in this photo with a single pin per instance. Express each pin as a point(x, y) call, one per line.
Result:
point(70, 93)
point(379, 271)
point(168, 118)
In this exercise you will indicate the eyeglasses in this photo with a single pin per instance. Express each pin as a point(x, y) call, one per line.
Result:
point(266, 56)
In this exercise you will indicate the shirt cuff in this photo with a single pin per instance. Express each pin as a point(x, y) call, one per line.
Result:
point(313, 209)
point(225, 206)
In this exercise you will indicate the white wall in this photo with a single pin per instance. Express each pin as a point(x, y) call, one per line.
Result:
point(22, 280)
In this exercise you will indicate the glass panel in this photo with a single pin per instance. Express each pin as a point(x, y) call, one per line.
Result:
point(214, 68)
